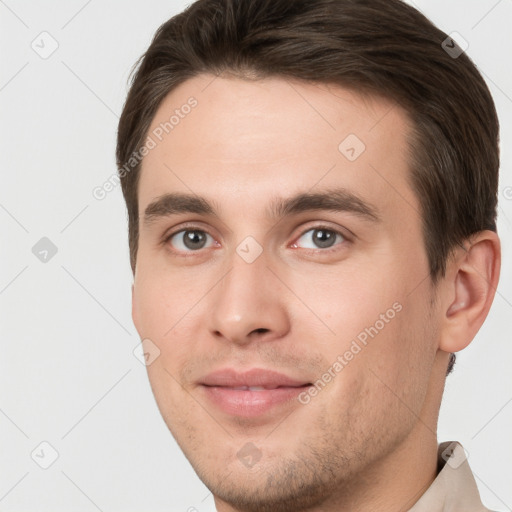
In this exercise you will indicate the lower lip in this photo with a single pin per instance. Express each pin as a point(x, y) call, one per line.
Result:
point(249, 403)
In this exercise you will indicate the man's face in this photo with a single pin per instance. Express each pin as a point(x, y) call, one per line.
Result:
point(338, 297)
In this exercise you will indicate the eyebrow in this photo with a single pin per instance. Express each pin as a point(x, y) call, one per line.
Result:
point(337, 200)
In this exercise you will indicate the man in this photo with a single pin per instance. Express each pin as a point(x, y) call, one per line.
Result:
point(311, 190)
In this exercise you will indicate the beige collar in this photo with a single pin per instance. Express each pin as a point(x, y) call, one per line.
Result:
point(454, 489)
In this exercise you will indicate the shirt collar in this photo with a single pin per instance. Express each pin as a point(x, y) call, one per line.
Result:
point(454, 488)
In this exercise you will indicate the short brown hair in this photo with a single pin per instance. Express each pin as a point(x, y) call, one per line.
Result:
point(381, 47)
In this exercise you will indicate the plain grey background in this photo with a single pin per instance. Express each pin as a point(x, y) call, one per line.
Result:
point(68, 376)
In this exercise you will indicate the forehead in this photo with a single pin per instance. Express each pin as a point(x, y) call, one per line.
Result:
point(219, 135)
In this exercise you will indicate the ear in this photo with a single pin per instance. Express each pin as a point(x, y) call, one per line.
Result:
point(469, 287)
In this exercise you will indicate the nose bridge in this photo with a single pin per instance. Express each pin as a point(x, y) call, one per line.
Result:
point(246, 301)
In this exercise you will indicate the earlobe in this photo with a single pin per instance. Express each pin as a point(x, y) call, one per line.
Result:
point(472, 277)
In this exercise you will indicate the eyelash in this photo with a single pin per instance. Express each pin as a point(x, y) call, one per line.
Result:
point(185, 254)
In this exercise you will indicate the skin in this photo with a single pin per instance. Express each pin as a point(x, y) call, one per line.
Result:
point(367, 441)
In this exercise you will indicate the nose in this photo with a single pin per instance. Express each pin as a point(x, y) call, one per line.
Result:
point(249, 304)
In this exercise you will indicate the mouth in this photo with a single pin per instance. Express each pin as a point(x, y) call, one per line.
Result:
point(252, 393)
point(258, 388)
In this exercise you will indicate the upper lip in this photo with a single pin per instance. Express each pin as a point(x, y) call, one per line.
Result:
point(255, 377)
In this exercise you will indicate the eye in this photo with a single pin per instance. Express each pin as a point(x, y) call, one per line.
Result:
point(188, 240)
point(319, 238)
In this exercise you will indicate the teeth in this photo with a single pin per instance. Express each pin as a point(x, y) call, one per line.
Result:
point(249, 388)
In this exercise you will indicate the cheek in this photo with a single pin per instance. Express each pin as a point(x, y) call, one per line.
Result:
point(174, 404)
point(383, 338)
point(173, 343)
point(162, 300)
point(162, 316)
point(351, 305)
point(383, 386)
point(399, 362)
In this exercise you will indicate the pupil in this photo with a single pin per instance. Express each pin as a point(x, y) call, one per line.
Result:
point(192, 238)
point(323, 238)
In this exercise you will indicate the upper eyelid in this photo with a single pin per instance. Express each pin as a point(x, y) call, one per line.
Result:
point(184, 227)
point(344, 232)
point(344, 237)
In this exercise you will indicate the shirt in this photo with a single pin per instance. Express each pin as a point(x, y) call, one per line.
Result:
point(454, 489)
